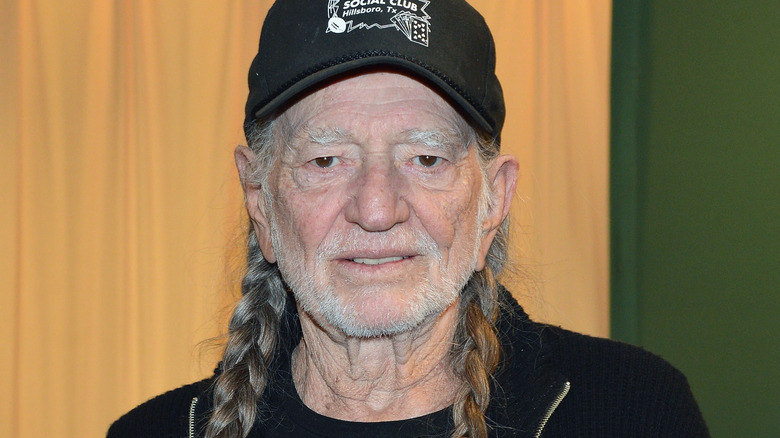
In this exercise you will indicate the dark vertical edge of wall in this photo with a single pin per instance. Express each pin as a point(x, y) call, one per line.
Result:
point(625, 167)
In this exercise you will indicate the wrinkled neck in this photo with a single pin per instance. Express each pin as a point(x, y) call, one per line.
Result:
point(377, 379)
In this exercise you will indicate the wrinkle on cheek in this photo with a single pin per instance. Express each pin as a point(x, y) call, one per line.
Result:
point(309, 216)
point(298, 178)
point(437, 184)
point(301, 180)
point(459, 210)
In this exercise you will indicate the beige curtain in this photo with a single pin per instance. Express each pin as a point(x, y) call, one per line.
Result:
point(120, 213)
point(554, 64)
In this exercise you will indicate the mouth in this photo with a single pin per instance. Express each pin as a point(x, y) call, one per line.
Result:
point(379, 261)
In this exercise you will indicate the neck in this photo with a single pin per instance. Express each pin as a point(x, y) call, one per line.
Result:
point(377, 379)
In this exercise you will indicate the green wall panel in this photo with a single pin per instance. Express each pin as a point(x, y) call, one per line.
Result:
point(700, 282)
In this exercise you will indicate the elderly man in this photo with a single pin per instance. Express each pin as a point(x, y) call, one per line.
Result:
point(378, 202)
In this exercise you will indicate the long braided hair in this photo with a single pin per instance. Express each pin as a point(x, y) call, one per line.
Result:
point(254, 326)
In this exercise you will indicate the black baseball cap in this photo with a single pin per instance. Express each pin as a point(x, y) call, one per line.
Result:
point(305, 43)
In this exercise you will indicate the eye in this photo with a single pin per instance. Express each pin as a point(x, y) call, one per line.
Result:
point(427, 160)
point(325, 162)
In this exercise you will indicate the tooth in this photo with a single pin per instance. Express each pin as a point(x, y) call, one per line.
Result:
point(377, 261)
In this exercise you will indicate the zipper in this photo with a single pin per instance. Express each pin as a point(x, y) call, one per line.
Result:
point(191, 429)
point(550, 409)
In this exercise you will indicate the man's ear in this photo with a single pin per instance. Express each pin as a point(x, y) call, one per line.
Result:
point(253, 197)
point(502, 177)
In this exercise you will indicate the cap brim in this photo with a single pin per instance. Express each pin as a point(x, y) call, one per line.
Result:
point(296, 90)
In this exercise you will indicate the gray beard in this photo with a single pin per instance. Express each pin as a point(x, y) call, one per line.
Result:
point(318, 298)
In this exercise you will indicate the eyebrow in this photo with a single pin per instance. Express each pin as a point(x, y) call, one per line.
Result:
point(434, 138)
point(325, 137)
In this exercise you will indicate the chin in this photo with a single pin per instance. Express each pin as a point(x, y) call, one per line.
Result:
point(376, 315)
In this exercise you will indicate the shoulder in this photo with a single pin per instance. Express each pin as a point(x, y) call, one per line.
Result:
point(166, 415)
point(614, 389)
point(587, 358)
point(620, 388)
point(583, 359)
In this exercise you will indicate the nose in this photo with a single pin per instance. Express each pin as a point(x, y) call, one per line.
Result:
point(377, 202)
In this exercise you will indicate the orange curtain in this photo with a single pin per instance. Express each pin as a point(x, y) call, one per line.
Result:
point(120, 213)
point(553, 62)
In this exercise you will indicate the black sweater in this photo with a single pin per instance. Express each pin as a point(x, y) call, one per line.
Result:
point(608, 389)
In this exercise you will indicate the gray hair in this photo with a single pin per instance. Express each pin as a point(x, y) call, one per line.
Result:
point(255, 324)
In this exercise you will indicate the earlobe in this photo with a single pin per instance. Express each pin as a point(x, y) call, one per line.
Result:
point(253, 199)
point(503, 179)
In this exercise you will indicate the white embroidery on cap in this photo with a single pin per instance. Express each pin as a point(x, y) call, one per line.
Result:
point(407, 16)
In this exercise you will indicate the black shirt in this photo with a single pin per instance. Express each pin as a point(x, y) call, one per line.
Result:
point(550, 379)
point(289, 417)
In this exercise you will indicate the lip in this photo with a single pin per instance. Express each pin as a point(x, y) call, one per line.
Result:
point(376, 254)
point(377, 261)
point(374, 263)
point(371, 260)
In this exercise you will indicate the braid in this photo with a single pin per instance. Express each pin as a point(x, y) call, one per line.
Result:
point(477, 350)
point(252, 341)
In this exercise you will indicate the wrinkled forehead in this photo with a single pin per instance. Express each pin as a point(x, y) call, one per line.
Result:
point(380, 96)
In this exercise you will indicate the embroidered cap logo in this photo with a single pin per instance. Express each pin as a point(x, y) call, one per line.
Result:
point(406, 16)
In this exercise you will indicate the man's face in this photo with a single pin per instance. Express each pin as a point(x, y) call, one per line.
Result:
point(375, 205)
